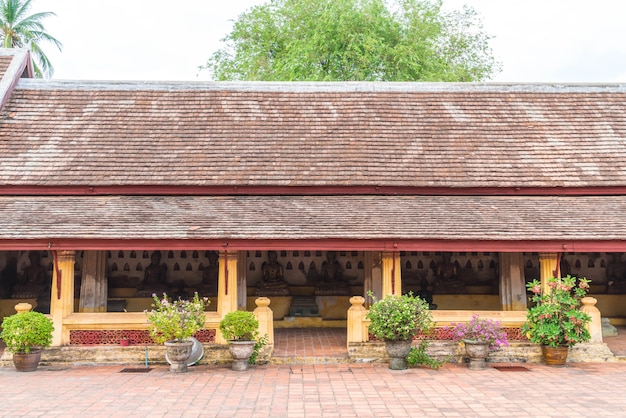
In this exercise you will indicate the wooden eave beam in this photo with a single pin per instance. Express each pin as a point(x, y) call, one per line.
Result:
point(319, 244)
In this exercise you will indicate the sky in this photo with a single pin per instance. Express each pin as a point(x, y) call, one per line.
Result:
point(553, 41)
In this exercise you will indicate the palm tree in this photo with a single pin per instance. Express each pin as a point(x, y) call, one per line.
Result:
point(20, 30)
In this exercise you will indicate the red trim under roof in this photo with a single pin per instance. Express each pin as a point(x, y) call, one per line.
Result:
point(322, 244)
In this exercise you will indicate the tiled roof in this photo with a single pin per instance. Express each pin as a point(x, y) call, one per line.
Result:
point(5, 60)
point(307, 134)
point(480, 218)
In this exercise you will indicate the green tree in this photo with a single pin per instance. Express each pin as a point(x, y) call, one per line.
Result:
point(366, 40)
point(21, 30)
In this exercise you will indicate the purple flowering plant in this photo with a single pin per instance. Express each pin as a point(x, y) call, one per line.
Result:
point(480, 330)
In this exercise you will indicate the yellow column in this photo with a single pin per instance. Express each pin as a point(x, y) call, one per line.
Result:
point(547, 268)
point(391, 274)
point(227, 287)
point(62, 298)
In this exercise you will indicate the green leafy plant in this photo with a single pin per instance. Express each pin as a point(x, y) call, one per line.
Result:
point(258, 346)
point(25, 331)
point(480, 330)
point(176, 320)
point(399, 317)
point(240, 326)
point(555, 319)
point(419, 357)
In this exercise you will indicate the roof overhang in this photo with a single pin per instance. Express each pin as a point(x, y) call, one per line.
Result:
point(402, 223)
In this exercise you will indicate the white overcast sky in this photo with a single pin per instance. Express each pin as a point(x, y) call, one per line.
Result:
point(535, 40)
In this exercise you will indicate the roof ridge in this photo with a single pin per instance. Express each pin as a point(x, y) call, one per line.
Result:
point(16, 69)
point(324, 87)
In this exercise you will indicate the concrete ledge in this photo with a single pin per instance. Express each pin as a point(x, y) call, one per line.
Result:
point(516, 352)
point(132, 355)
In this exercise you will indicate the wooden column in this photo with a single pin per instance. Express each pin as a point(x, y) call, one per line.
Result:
point(93, 289)
point(242, 281)
point(512, 284)
point(547, 267)
point(392, 284)
point(227, 287)
point(62, 298)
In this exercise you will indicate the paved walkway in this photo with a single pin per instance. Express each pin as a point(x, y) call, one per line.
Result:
point(320, 390)
point(339, 390)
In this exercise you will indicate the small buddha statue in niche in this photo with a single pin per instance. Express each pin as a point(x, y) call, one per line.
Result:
point(210, 275)
point(154, 278)
point(34, 281)
point(272, 282)
point(332, 280)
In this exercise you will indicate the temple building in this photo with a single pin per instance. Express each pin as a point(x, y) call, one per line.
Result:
point(304, 193)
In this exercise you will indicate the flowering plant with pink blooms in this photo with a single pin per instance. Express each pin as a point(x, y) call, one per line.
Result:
point(176, 320)
point(480, 330)
point(555, 319)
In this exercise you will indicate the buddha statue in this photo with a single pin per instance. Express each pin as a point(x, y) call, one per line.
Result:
point(447, 274)
point(34, 281)
point(210, 276)
point(332, 280)
point(154, 281)
point(272, 281)
point(616, 274)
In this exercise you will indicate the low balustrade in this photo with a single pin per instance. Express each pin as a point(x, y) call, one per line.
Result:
point(511, 321)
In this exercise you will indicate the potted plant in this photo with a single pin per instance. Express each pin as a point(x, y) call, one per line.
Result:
point(396, 320)
point(241, 329)
point(173, 323)
point(480, 336)
point(555, 321)
point(25, 334)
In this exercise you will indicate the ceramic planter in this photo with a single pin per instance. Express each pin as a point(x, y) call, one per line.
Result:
point(554, 356)
point(398, 350)
point(27, 362)
point(241, 352)
point(477, 352)
point(177, 353)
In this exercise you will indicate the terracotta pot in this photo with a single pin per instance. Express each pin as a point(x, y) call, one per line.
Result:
point(241, 352)
point(177, 354)
point(124, 342)
point(477, 352)
point(27, 362)
point(554, 356)
point(397, 351)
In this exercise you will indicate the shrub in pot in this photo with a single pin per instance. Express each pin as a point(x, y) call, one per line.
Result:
point(555, 321)
point(25, 334)
point(241, 329)
point(173, 323)
point(397, 320)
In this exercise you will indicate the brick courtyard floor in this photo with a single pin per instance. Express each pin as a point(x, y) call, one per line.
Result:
point(339, 390)
point(320, 390)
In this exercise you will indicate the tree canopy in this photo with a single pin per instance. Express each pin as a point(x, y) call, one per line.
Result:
point(365, 40)
point(20, 30)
